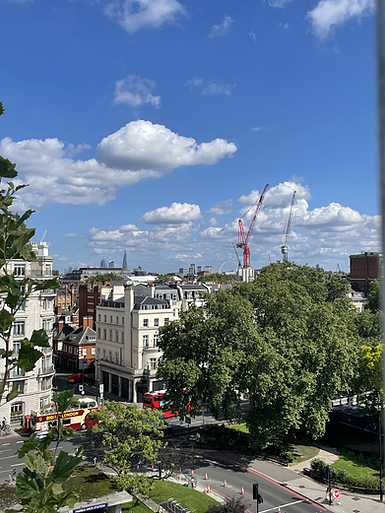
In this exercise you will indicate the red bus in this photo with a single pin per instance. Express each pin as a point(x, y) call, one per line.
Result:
point(155, 401)
point(75, 417)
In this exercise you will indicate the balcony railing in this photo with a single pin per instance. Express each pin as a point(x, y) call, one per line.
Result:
point(46, 370)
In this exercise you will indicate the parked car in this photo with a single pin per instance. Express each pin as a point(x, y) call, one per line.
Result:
point(75, 378)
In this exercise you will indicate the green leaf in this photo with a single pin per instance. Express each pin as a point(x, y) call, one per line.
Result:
point(28, 445)
point(6, 320)
point(28, 356)
point(64, 467)
point(13, 393)
point(64, 399)
point(34, 462)
point(28, 485)
point(47, 284)
point(40, 338)
point(7, 169)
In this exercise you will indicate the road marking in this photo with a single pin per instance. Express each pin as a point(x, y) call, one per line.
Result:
point(20, 442)
point(9, 443)
point(17, 464)
point(3, 450)
point(5, 457)
point(282, 506)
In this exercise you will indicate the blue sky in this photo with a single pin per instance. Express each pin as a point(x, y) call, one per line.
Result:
point(152, 125)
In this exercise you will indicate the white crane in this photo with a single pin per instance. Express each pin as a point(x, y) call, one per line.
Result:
point(285, 235)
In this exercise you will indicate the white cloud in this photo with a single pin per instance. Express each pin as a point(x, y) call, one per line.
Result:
point(176, 213)
point(253, 36)
point(194, 82)
point(258, 128)
point(278, 3)
point(142, 145)
point(217, 89)
point(328, 14)
point(222, 28)
point(72, 235)
point(139, 151)
point(134, 15)
point(129, 228)
point(221, 208)
point(136, 91)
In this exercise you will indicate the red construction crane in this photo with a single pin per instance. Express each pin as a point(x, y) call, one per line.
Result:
point(243, 240)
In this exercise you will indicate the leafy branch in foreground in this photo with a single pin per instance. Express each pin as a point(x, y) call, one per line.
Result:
point(14, 291)
point(39, 485)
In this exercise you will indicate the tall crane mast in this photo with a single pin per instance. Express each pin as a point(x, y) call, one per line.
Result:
point(285, 235)
point(243, 240)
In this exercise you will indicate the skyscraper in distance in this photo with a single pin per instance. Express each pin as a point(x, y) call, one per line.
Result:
point(125, 264)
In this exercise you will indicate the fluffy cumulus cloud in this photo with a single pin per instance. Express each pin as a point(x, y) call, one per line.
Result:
point(139, 151)
point(222, 28)
point(134, 15)
point(329, 14)
point(324, 235)
point(143, 145)
point(136, 91)
point(176, 213)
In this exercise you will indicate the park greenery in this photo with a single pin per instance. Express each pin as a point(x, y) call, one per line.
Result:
point(131, 436)
point(289, 342)
point(218, 278)
point(105, 277)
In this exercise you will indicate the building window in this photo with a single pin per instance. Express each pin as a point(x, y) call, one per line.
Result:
point(122, 320)
point(84, 351)
point(16, 408)
point(104, 354)
point(99, 317)
point(156, 340)
point(145, 323)
point(16, 347)
point(19, 385)
point(156, 322)
point(110, 334)
point(105, 318)
point(152, 364)
point(98, 353)
point(110, 356)
point(93, 351)
point(117, 320)
point(98, 332)
point(19, 328)
point(122, 337)
point(111, 319)
point(116, 358)
point(105, 334)
point(121, 356)
point(19, 270)
point(16, 371)
point(166, 321)
point(145, 340)
point(117, 336)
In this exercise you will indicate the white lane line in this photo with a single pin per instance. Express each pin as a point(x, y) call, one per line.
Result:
point(20, 442)
point(9, 443)
point(3, 450)
point(5, 457)
point(282, 506)
point(17, 464)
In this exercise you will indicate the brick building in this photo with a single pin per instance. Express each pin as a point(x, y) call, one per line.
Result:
point(364, 268)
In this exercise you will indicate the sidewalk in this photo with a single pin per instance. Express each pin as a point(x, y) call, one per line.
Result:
point(295, 480)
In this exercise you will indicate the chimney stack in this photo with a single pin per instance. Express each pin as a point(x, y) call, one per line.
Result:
point(88, 321)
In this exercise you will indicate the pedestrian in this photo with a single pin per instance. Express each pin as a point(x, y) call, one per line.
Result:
point(4, 423)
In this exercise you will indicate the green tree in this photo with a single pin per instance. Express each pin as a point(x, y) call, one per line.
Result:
point(39, 485)
point(129, 434)
point(374, 296)
point(285, 341)
point(14, 244)
point(220, 278)
point(105, 277)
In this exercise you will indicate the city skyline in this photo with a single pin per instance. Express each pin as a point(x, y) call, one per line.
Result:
point(151, 127)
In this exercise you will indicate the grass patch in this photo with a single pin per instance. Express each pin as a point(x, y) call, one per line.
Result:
point(91, 482)
point(242, 428)
point(135, 507)
point(8, 497)
point(299, 453)
point(188, 498)
point(358, 469)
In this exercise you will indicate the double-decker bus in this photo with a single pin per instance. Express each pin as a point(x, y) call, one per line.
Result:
point(75, 417)
point(155, 401)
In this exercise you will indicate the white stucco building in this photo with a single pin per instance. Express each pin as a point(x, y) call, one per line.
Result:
point(35, 387)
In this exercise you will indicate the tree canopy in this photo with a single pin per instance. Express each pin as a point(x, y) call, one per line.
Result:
point(129, 434)
point(285, 342)
point(216, 277)
point(104, 277)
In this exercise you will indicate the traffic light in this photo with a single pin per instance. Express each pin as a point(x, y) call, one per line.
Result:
point(256, 496)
